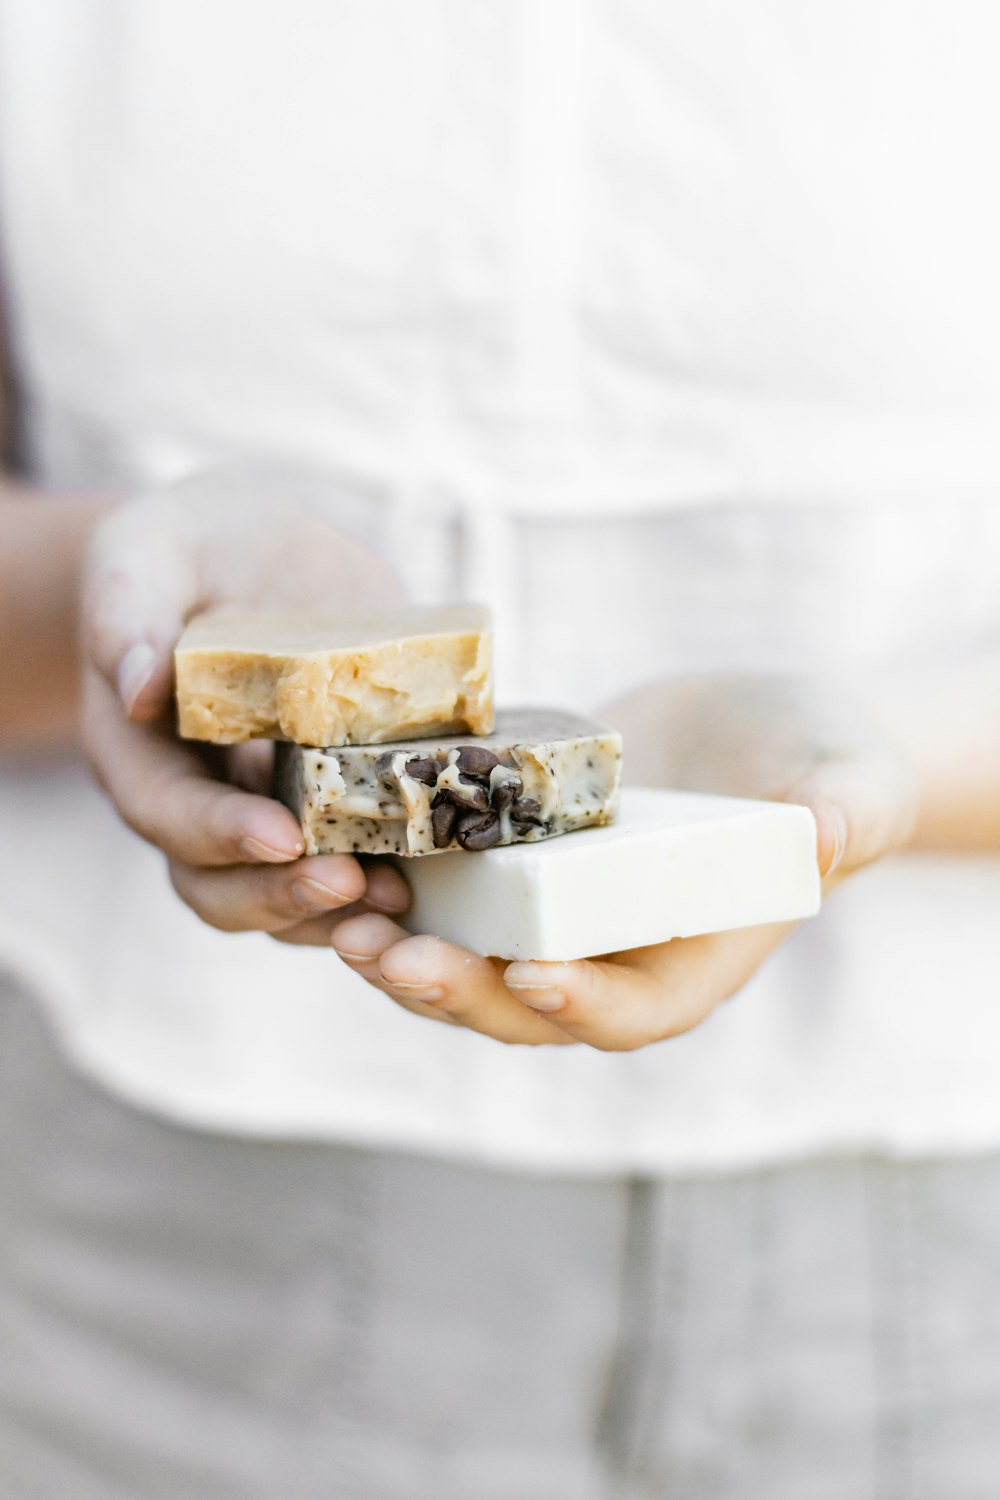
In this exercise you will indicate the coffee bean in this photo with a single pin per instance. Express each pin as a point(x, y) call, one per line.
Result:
point(478, 831)
point(475, 794)
point(526, 810)
point(476, 760)
point(466, 793)
point(444, 816)
point(383, 768)
point(504, 792)
point(522, 827)
point(422, 769)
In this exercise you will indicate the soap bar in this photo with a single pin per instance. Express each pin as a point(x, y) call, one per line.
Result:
point(673, 864)
point(541, 773)
point(319, 678)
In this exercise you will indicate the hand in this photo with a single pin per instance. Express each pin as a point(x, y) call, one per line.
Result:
point(776, 738)
point(235, 855)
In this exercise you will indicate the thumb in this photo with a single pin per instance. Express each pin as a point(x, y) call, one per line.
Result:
point(865, 806)
point(140, 584)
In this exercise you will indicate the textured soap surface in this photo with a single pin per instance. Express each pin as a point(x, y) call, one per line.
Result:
point(542, 772)
point(318, 678)
point(673, 864)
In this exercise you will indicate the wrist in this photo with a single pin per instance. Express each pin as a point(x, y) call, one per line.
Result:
point(43, 538)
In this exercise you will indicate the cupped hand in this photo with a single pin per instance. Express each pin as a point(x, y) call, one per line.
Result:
point(236, 856)
point(784, 739)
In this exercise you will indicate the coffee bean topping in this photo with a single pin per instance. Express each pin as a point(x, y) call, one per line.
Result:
point(504, 793)
point(478, 830)
point(466, 793)
point(422, 769)
point(444, 816)
point(476, 760)
point(474, 794)
point(383, 768)
point(526, 810)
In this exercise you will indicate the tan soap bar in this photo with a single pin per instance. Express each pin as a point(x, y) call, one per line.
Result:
point(542, 772)
point(320, 678)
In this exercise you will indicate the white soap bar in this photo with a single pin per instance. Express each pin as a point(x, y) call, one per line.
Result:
point(673, 865)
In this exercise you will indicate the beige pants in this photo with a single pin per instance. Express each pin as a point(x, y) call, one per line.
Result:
point(189, 1317)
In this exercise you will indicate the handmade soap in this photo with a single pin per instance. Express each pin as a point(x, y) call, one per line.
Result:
point(541, 773)
point(319, 678)
point(673, 864)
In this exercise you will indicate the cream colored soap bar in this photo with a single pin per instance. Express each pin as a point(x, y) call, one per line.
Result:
point(673, 864)
point(319, 678)
point(542, 772)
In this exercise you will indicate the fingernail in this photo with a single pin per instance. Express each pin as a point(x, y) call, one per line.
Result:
point(253, 849)
point(426, 992)
point(134, 671)
point(393, 903)
point(312, 896)
point(538, 997)
point(354, 958)
point(839, 822)
point(528, 984)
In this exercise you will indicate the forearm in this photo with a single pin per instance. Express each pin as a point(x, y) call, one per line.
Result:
point(42, 541)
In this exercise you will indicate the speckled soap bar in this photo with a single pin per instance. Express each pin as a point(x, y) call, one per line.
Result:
point(541, 773)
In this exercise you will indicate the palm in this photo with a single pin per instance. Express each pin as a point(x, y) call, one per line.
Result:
point(749, 736)
point(216, 540)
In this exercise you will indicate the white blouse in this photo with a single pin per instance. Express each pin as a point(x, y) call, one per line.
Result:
point(672, 332)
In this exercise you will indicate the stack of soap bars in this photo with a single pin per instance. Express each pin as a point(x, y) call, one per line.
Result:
point(387, 743)
point(387, 740)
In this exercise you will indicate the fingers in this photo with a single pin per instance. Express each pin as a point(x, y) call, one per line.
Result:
point(434, 978)
point(385, 888)
point(865, 805)
point(646, 995)
point(164, 790)
point(250, 765)
point(269, 898)
point(614, 1004)
point(286, 898)
point(235, 856)
point(314, 932)
point(140, 585)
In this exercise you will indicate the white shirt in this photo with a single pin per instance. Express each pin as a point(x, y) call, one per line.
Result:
point(669, 330)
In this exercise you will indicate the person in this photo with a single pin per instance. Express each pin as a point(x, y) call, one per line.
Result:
point(668, 333)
